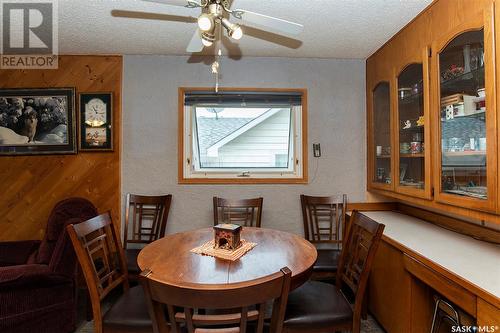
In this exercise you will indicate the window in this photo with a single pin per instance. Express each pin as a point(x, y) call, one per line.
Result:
point(243, 136)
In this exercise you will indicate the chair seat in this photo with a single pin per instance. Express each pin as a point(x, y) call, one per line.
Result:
point(327, 260)
point(319, 305)
point(131, 255)
point(129, 313)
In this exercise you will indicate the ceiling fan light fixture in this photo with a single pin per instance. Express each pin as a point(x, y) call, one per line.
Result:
point(233, 30)
point(237, 33)
point(206, 22)
point(207, 39)
point(206, 43)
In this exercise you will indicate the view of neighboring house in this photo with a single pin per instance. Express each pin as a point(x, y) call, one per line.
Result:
point(238, 142)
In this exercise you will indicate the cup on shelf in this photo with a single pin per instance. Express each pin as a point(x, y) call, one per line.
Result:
point(416, 147)
point(482, 144)
point(404, 147)
point(472, 143)
point(481, 92)
point(455, 144)
point(379, 150)
point(380, 174)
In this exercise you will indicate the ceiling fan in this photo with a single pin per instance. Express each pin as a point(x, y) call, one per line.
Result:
point(216, 13)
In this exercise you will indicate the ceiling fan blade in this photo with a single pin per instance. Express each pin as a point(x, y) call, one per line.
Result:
point(181, 3)
point(269, 21)
point(195, 45)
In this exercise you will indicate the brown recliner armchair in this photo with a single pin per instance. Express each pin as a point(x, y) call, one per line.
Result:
point(38, 278)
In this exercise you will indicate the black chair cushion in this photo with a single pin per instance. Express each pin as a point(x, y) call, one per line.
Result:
point(131, 255)
point(327, 260)
point(317, 305)
point(129, 313)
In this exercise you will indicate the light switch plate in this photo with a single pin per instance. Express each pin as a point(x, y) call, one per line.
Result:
point(317, 150)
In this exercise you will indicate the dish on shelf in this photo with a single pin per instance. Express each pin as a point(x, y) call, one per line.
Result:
point(452, 72)
point(479, 192)
point(412, 183)
point(404, 92)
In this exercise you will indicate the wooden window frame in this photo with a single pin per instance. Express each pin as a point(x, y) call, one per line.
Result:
point(182, 179)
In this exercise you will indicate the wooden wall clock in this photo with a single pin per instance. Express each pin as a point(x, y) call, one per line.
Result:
point(96, 118)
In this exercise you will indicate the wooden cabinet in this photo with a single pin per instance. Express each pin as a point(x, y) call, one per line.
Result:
point(441, 72)
point(402, 288)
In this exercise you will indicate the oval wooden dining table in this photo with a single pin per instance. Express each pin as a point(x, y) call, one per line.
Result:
point(171, 261)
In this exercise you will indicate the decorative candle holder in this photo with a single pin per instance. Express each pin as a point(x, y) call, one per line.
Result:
point(227, 236)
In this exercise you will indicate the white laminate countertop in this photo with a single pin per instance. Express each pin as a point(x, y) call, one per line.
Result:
point(475, 261)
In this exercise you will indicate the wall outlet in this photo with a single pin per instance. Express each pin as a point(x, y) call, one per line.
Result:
point(317, 150)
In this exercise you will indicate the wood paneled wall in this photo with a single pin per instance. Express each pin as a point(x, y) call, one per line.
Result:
point(30, 186)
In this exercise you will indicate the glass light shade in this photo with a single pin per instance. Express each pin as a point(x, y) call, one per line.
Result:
point(237, 32)
point(207, 43)
point(205, 22)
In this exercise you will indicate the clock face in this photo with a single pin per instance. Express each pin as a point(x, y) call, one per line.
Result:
point(95, 112)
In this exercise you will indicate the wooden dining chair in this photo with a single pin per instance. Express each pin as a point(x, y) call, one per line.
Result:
point(99, 252)
point(323, 307)
point(145, 221)
point(324, 226)
point(246, 212)
point(242, 304)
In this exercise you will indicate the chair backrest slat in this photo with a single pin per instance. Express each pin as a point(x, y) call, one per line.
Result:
point(324, 218)
point(246, 212)
point(237, 298)
point(147, 216)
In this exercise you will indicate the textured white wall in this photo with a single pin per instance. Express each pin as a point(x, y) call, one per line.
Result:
point(336, 120)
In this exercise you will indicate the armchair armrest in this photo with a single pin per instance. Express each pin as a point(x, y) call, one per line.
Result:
point(17, 252)
point(29, 275)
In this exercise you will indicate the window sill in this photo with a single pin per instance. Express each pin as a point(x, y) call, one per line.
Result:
point(222, 181)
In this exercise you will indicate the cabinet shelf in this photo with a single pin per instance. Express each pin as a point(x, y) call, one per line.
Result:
point(383, 156)
point(480, 113)
point(464, 153)
point(412, 155)
point(464, 81)
point(413, 128)
point(410, 98)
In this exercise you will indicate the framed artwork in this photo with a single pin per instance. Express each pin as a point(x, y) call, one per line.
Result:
point(37, 121)
point(96, 119)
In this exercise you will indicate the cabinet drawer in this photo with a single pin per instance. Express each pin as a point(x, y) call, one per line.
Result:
point(449, 289)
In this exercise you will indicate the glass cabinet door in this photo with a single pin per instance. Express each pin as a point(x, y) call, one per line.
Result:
point(410, 101)
point(382, 173)
point(464, 117)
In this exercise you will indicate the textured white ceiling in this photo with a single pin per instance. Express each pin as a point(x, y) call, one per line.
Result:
point(333, 28)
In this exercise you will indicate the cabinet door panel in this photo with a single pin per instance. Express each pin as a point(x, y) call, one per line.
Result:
point(487, 314)
point(465, 116)
point(381, 149)
point(390, 290)
point(412, 132)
